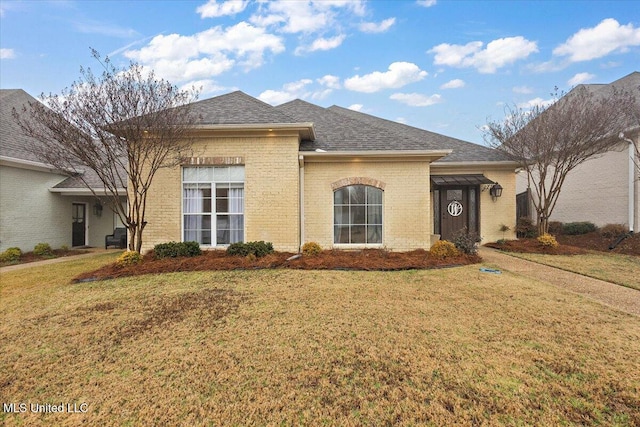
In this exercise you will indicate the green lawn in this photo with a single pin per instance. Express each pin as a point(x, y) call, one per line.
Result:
point(621, 269)
point(286, 347)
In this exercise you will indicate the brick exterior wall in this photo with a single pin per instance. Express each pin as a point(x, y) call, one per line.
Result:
point(271, 194)
point(407, 222)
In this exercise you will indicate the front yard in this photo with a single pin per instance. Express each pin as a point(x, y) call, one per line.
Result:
point(290, 347)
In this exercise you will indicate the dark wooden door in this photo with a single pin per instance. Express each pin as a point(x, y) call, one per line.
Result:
point(79, 228)
point(454, 211)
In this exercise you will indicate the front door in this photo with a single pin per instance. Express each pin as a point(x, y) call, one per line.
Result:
point(79, 228)
point(458, 210)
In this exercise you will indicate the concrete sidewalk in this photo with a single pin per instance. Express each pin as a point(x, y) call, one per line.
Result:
point(616, 296)
point(92, 252)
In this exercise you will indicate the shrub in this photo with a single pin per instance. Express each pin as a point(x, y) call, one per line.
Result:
point(11, 255)
point(311, 249)
point(64, 248)
point(613, 230)
point(525, 228)
point(548, 241)
point(259, 249)
point(556, 227)
point(575, 228)
point(43, 249)
point(466, 241)
point(443, 249)
point(129, 258)
point(176, 249)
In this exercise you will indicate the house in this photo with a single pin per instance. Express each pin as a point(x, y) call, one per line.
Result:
point(299, 173)
point(605, 189)
point(39, 203)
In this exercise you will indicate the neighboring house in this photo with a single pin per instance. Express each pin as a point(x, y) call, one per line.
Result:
point(39, 203)
point(605, 189)
point(299, 173)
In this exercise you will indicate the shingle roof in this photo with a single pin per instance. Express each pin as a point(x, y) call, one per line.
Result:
point(341, 129)
point(236, 108)
point(13, 143)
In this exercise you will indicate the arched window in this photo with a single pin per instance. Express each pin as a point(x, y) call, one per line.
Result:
point(357, 215)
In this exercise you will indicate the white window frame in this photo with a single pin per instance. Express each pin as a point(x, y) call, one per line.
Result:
point(351, 245)
point(213, 182)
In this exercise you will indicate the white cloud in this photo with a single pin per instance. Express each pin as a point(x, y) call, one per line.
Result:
point(321, 44)
point(606, 37)
point(522, 89)
point(290, 91)
point(205, 87)
point(416, 99)
point(373, 27)
point(580, 78)
point(536, 102)
point(332, 82)
point(208, 53)
point(7, 53)
point(355, 107)
point(453, 84)
point(426, 3)
point(402, 120)
point(498, 53)
point(305, 16)
point(105, 29)
point(399, 74)
point(213, 9)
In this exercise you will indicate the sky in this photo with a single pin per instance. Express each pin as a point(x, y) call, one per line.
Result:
point(445, 66)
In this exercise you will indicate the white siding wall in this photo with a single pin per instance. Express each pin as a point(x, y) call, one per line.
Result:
point(29, 213)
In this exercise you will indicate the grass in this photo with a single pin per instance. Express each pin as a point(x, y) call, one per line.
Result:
point(291, 347)
point(621, 269)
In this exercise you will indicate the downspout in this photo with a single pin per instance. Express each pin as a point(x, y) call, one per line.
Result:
point(301, 208)
point(632, 155)
point(631, 210)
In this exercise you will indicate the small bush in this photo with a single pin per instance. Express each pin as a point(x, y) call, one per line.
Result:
point(311, 249)
point(575, 228)
point(43, 249)
point(176, 249)
point(613, 230)
point(466, 241)
point(443, 249)
point(11, 255)
point(259, 249)
point(64, 248)
point(548, 241)
point(525, 228)
point(129, 258)
point(556, 227)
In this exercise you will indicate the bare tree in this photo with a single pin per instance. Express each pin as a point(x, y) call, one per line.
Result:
point(122, 126)
point(548, 142)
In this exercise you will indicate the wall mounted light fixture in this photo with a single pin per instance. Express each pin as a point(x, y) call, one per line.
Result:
point(495, 191)
point(97, 209)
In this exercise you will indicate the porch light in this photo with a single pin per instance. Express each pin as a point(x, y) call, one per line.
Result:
point(97, 209)
point(495, 191)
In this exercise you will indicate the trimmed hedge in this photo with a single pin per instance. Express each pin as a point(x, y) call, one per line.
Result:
point(258, 249)
point(11, 255)
point(43, 249)
point(176, 249)
point(575, 228)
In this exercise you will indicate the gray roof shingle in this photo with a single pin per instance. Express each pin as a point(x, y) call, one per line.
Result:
point(13, 143)
point(236, 108)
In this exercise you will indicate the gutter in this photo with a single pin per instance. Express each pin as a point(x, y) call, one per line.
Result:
point(301, 201)
point(632, 155)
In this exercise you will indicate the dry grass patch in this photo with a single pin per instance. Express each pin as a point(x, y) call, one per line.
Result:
point(621, 269)
point(294, 347)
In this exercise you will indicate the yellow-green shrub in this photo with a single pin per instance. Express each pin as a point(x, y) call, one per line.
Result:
point(311, 249)
point(11, 255)
point(548, 241)
point(129, 258)
point(43, 249)
point(444, 249)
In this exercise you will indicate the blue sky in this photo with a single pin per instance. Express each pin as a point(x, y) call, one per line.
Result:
point(445, 66)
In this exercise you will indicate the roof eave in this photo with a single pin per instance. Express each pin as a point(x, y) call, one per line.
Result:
point(305, 129)
point(431, 155)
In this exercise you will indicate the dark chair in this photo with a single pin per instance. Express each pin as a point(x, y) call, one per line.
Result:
point(118, 238)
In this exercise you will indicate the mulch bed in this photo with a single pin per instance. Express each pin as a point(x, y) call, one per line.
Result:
point(369, 259)
point(27, 257)
point(573, 245)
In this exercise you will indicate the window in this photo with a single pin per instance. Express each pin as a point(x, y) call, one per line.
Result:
point(213, 204)
point(357, 215)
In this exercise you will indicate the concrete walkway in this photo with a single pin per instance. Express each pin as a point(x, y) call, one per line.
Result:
point(92, 252)
point(616, 296)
